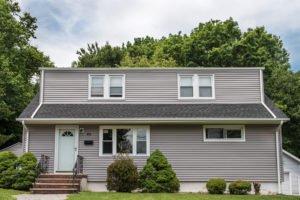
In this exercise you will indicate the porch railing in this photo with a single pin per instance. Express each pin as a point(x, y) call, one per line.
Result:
point(42, 166)
point(78, 168)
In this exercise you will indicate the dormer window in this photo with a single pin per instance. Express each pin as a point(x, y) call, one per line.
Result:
point(106, 86)
point(196, 86)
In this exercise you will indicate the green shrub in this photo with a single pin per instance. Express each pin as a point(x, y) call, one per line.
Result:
point(239, 187)
point(25, 172)
point(122, 175)
point(216, 186)
point(7, 166)
point(158, 175)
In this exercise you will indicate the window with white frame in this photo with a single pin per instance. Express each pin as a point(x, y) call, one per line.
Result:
point(196, 86)
point(132, 140)
point(225, 133)
point(106, 86)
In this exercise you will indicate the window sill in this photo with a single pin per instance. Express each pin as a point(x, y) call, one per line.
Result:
point(212, 140)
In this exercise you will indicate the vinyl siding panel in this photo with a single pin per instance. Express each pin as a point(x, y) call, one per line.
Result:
point(42, 141)
point(191, 158)
point(231, 86)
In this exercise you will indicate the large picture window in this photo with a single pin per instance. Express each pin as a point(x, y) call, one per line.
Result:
point(196, 86)
point(105, 86)
point(132, 140)
point(224, 133)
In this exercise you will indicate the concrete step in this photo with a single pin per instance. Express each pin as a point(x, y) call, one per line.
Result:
point(56, 185)
point(53, 190)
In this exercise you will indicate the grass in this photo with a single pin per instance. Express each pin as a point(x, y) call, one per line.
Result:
point(178, 196)
point(8, 194)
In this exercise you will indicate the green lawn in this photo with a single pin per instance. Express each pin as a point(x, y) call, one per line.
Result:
point(163, 196)
point(8, 194)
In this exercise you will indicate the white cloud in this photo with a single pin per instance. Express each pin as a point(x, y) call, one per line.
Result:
point(67, 25)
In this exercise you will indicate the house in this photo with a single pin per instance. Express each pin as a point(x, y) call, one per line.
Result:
point(291, 184)
point(14, 148)
point(209, 122)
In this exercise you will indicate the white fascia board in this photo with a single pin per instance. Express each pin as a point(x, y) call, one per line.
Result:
point(154, 120)
point(147, 68)
point(291, 155)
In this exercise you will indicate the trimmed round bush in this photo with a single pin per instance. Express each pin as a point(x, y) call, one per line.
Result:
point(7, 169)
point(25, 172)
point(122, 175)
point(216, 186)
point(239, 187)
point(158, 175)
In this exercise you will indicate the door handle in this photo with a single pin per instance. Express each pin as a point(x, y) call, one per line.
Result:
point(75, 149)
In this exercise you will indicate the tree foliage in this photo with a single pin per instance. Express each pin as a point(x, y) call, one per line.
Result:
point(221, 44)
point(19, 62)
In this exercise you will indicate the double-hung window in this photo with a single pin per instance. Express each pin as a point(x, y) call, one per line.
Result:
point(196, 86)
point(132, 140)
point(224, 133)
point(106, 86)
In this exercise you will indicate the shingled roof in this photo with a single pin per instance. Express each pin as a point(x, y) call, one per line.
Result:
point(119, 111)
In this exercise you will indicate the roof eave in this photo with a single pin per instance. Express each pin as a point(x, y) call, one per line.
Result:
point(155, 120)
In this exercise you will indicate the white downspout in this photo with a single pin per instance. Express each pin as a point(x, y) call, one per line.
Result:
point(278, 157)
point(26, 137)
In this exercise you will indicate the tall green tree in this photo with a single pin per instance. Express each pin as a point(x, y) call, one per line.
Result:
point(223, 44)
point(19, 62)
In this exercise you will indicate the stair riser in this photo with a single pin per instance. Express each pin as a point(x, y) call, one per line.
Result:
point(56, 186)
point(52, 192)
point(56, 181)
point(60, 176)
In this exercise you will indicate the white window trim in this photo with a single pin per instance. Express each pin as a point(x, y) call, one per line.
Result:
point(114, 137)
point(106, 87)
point(196, 85)
point(242, 127)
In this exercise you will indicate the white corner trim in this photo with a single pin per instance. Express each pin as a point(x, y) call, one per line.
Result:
point(262, 92)
point(278, 157)
point(42, 87)
point(27, 137)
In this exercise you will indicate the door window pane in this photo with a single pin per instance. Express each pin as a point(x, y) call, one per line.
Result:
point(186, 86)
point(107, 141)
point(97, 86)
point(116, 89)
point(124, 140)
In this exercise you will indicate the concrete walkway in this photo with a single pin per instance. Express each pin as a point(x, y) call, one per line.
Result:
point(41, 196)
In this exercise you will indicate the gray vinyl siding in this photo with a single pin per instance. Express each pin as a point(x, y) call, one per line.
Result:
point(42, 141)
point(152, 86)
point(191, 158)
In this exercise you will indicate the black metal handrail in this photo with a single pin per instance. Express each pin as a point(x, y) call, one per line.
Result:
point(78, 168)
point(42, 166)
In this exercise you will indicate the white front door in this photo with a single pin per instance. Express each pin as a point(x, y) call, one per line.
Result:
point(66, 147)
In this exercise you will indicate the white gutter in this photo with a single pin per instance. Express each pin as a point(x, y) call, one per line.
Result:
point(41, 94)
point(27, 137)
point(278, 157)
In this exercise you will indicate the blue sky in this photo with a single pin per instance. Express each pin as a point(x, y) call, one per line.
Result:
point(67, 25)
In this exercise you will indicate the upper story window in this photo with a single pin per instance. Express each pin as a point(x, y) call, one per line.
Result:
point(224, 133)
point(196, 86)
point(106, 86)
